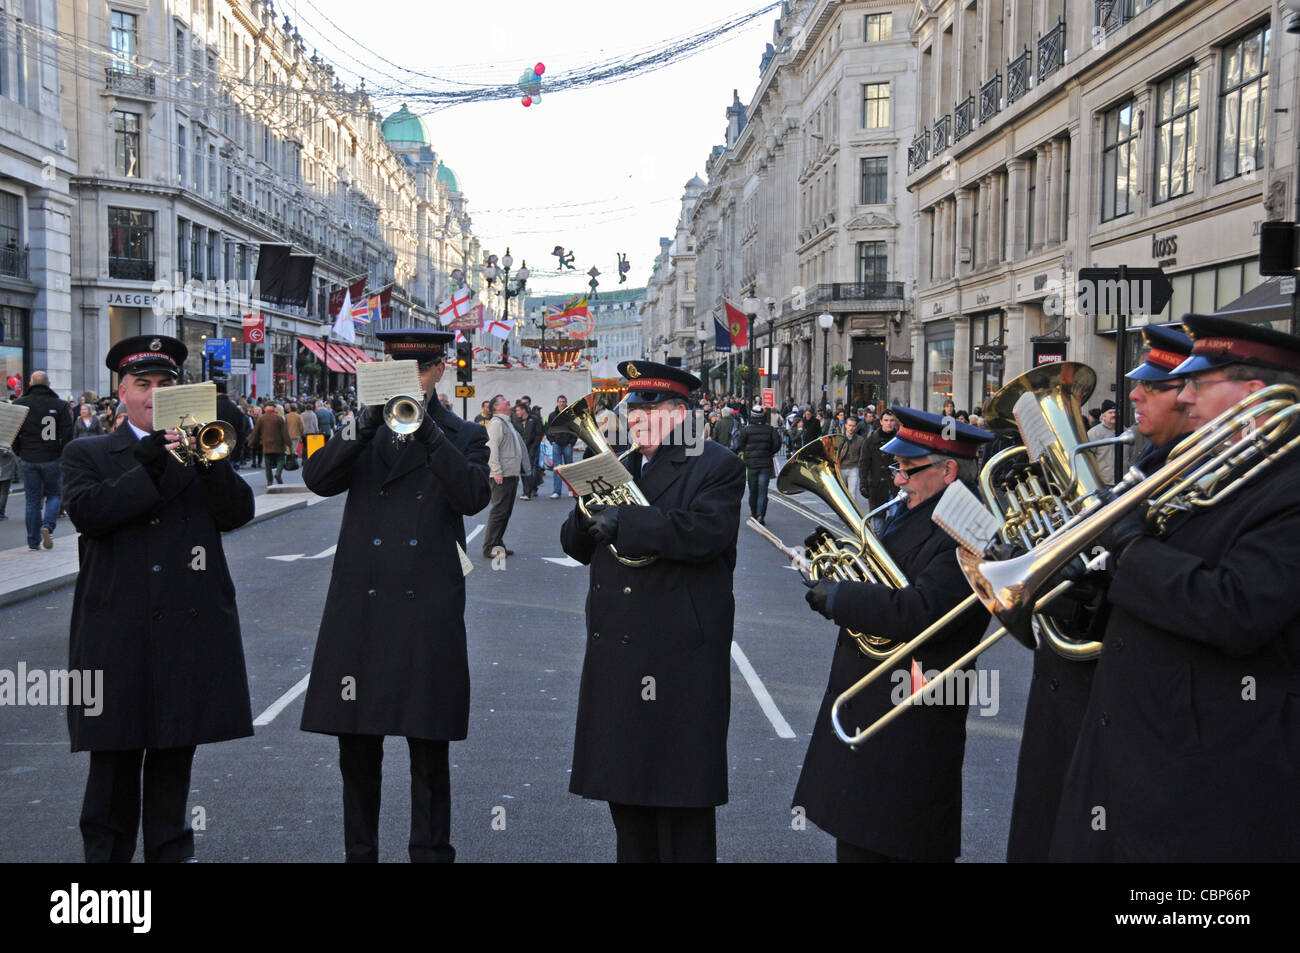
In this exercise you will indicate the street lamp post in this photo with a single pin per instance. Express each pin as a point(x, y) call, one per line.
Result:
point(325, 361)
point(491, 272)
point(824, 321)
point(751, 306)
point(702, 335)
point(771, 340)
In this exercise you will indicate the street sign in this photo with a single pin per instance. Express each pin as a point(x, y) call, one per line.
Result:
point(769, 397)
point(254, 328)
point(217, 353)
point(240, 365)
point(1122, 290)
point(464, 390)
point(315, 441)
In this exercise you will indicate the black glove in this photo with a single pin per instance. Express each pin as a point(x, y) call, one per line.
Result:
point(369, 421)
point(819, 595)
point(604, 525)
point(1129, 528)
point(151, 452)
point(429, 433)
point(816, 537)
point(582, 519)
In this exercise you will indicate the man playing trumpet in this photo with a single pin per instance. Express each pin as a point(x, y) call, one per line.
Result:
point(898, 798)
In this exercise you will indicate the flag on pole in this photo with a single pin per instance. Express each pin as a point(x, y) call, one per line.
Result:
point(356, 289)
point(460, 302)
point(343, 325)
point(361, 310)
point(560, 315)
point(501, 329)
point(446, 311)
point(737, 324)
point(721, 337)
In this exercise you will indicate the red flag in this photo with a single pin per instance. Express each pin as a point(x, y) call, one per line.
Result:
point(737, 324)
point(386, 303)
point(356, 291)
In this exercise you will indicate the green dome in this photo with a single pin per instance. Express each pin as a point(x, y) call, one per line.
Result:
point(405, 128)
point(448, 177)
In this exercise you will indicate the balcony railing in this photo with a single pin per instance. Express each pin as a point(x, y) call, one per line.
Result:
point(918, 153)
point(131, 269)
point(942, 133)
point(859, 291)
point(962, 114)
point(1018, 77)
point(990, 98)
point(1113, 14)
point(13, 262)
point(129, 81)
point(1051, 50)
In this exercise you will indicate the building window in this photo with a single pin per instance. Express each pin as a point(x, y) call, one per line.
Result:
point(1176, 101)
point(875, 181)
point(130, 244)
point(880, 27)
point(1031, 190)
point(126, 144)
point(180, 52)
point(875, 106)
point(181, 162)
point(1243, 104)
point(873, 262)
point(196, 172)
point(122, 40)
point(196, 252)
point(212, 172)
point(1119, 162)
point(183, 247)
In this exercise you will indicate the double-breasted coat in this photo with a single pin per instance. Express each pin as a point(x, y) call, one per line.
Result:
point(655, 696)
point(154, 608)
point(1058, 697)
point(1189, 742)
point(390, 656)
point(899, 794)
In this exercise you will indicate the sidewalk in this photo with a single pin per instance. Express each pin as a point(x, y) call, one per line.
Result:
point(24, 573)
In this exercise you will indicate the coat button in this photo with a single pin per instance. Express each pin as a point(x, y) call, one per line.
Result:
point(414, 542)
point(627, 640)
point(420, 495)
point(1055, 684)
point(157, 568)
point(194, 613)
point(595, 635)
point(154, 521)
point(627, 590)
point(410, 593)
point(157, 614)
point(1119, 645)
point(378, 541)
point(383, 492)
point(1105, 719)
point(371, 593)
point(596, 587)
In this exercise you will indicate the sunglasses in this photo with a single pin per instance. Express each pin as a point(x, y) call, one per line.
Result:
point(1158, 387)
point(905, 473)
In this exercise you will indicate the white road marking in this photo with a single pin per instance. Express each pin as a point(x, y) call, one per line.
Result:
point(281, 703)
point(318, 499)
point(802, 510)
point(324, 553)
point(477, 529)
point(783, 729)
point(567, 561)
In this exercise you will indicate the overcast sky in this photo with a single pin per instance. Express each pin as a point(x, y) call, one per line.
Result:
point(600, 169)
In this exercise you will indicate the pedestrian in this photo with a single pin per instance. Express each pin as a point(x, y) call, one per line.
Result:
point(852, 456)
point(759, 443)
point(723, 428)
point(45, 431)
point(293, 423)
point(654, 699)
point(879, 486)
point(8, 470)
point(507, 455)
point(484, 414)
point(87, 424)
point(561, 446)
point(254, 415)
point(391, 655)
point(1105, 430)
point(272, 436)
point(530, 428)
point(534, 436)
point(228, 411)
point(325, 419)
point(812, 427)
point(164, 635)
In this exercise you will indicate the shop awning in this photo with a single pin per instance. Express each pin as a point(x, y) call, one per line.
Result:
point(357, 355)
point(335, 364)
point(1264, 302)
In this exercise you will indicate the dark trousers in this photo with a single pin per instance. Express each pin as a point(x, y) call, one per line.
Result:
point(651, 835)
point(4, 495)
point(360, 760)
point(40, 482)
point(560, 455)
point(758, 481)
point(503, 504)
point(846, 853)
point(111, 809)
point(274, 462)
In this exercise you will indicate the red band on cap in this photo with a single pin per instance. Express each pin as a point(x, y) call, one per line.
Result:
point(155, 355)
point(1165, 359)
point(393, 346)
point(658, 383)
point(1247, 351)
point(927, 439)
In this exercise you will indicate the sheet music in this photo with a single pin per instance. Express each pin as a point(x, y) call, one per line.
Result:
point(184, 406)
point(466, 567)
point(598, 474)
point(11, 421)
point(963, 517)
point(1034, 429)
point(377, 381)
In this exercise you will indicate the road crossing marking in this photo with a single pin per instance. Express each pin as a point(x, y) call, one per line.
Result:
point(566, 561)
point(281, 703)
point(477, 529)
point(324, 553)
point(783, 729)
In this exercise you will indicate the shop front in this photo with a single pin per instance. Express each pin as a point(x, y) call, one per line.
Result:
point(938, 372)
point(869, 378)
point(15, 333)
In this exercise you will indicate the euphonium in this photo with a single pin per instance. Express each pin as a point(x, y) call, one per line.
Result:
point(816, 468)
point(579, 420)
point(1033, 501)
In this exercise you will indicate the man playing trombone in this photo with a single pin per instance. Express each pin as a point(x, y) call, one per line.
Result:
point(1188, 747)
point(391, 656)
point(898, 798)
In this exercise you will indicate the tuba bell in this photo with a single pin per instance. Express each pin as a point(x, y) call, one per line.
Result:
point(579, 420)
point(816, 468)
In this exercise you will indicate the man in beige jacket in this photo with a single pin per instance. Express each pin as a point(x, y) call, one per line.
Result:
point(505, 463)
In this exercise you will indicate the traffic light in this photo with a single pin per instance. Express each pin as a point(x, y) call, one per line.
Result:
point(464, 362)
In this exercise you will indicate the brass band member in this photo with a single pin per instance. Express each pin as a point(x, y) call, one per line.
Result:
point(154, 611)
point(1058, 694)
point(1188, 746)
point(655, 696)
point(898, 798)
point(391, 654)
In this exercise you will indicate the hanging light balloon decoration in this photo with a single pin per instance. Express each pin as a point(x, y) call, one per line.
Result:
point(530, 83)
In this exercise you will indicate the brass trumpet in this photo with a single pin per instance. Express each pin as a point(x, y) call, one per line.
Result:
point(403, 415)
point(205, 444)
point(1205, 468)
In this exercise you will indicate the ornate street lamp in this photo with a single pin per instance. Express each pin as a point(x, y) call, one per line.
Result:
point(750, 306)
point(824, 321)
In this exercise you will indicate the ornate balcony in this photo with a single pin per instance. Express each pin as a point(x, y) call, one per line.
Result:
point(990, 98)
point(13, 262)
point(1018, 77)
point(918, 153)
point(1051, 50)
point(1113, 14)
point(942, 133)
point(131, 269)
point(129, 81)
point(962, 115)
point(859, 291)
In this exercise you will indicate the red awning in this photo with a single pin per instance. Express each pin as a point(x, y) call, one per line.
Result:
point(359, 356)
point(335, 364)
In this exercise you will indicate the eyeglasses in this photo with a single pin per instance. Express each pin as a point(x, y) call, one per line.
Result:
point(906, 474)
point(1158, 387)
point(1197, 384)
